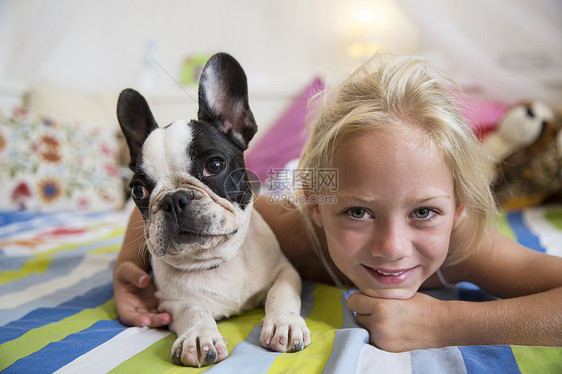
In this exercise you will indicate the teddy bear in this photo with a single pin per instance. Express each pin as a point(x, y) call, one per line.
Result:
point(526, 147)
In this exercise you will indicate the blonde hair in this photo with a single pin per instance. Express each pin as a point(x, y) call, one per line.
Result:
point(388, 91)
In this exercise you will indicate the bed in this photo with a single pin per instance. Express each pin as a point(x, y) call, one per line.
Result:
point(57, 311)
point(58, 246)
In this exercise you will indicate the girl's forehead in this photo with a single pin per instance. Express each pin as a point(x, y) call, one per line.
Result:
point(396, 158)
point(397, 138)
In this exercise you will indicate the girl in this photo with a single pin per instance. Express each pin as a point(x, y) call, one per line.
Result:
point(409, 213)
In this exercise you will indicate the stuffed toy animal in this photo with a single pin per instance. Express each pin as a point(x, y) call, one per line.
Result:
point(527, 148)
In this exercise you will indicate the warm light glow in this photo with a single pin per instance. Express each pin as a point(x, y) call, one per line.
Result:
point(365, 17)
point(358, 50)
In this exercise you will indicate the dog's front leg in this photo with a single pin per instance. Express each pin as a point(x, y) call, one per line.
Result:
point(199, 341)
point(283, 329)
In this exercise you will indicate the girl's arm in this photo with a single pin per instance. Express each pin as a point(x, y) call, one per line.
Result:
point(530, 312)
point(132, 287)
point(530, 285)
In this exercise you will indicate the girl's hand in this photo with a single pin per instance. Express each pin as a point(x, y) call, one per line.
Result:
point(401, 325)
point(134, 297)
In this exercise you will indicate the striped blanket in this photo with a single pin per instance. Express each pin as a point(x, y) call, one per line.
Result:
point(57, 312)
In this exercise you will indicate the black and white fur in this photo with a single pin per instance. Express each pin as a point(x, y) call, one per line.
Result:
point(212, 254)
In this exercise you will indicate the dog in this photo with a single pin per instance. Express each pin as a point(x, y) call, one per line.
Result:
point(212, 254)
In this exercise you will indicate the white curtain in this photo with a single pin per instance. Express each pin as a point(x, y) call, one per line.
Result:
point(508, 50)
point(30, 31)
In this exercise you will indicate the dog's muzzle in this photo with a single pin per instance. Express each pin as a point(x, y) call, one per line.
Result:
point(187, 217)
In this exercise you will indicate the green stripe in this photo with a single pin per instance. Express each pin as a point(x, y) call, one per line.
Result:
point(554, 216)
point(538, 359)
point(501, 224)
point(36, 339)
point(326, 317)
point(108, 249)
point(41, 262)
point(156, 358)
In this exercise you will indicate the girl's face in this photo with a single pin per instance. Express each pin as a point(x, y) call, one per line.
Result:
point(390, 227)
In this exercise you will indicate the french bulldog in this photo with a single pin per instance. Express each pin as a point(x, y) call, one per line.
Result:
point(212, 254)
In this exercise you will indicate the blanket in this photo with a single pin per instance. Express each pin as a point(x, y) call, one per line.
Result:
point(57, 312)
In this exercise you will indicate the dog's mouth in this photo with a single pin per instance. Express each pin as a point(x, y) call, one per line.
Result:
point(187, 236)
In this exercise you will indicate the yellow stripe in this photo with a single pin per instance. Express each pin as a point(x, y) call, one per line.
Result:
point(36, 339)
point(326, 317)
point(156, 358)
point(554, 217)
point(41, 262)
point(501, 224)
point(538, 359)
point(108, 249)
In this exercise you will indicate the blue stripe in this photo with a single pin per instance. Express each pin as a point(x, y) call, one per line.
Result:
point(436, 361)
point(238, 362)
point(471, 292)
point(57, 354)
point(489, 359)
point(307, 298)
point(524, 236)
point(348, 345)
point(55, 299)
point(13, 223)
point(61, 264)
point(44, 316)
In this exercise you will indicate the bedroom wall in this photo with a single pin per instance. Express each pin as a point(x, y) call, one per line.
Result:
point(506, 49)
point(99, 44)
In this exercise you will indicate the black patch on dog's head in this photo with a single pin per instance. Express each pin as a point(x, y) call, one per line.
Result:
point(136, 121)
point(224, 128)
point(210, 144)
point(223, 99)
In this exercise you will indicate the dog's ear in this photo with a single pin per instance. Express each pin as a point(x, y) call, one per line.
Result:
point(223, 99)
point(136, 121)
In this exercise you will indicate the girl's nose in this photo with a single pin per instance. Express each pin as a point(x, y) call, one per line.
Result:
point(391, 241)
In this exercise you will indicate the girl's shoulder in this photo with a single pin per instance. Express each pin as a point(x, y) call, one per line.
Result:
point(504, 268)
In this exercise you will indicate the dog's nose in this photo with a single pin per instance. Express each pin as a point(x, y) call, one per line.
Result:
point(177, 201)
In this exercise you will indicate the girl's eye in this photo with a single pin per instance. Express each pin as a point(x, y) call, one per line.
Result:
point(423, 213)
point(139, 192)
point(358, 213)
point(214, 167)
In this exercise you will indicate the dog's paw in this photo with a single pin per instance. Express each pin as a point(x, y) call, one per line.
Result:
point(198, 350)
point(284, 332)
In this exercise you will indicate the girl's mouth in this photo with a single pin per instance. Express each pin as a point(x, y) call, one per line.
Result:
point(389, 273)
point(390, 277)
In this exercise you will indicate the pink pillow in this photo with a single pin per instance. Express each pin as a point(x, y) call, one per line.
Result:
point(285, 139)
point(482, 115)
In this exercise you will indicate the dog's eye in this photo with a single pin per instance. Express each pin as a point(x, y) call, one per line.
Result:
point(139, 192)
point(214, 167)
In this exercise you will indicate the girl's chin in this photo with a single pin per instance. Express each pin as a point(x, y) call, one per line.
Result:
point(382, 293)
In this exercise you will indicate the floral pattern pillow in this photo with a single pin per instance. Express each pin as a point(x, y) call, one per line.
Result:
point(47, 165)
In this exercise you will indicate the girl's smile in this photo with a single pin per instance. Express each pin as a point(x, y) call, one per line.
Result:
point(390, 228)
point(390, 277)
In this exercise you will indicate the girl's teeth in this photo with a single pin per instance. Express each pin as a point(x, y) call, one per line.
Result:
point(383, 273)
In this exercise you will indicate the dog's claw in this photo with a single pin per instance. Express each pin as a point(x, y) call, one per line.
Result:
point(176, 356)
point(210, 357)
point(198, 351)
point(295, 347)
point(286, 333)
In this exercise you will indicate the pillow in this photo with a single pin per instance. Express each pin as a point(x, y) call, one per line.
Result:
point(47, 165)
point(52, 100)
point(285, 139)
point(482, 115)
